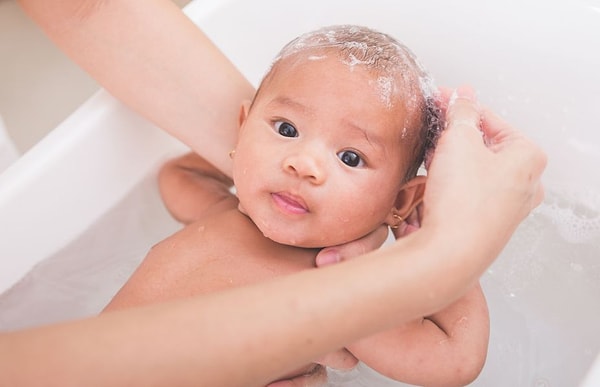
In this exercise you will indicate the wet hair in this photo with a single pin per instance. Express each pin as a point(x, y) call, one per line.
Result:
point(400, 78)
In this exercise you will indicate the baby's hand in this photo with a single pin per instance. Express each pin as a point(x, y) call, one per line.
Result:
point(339, 253)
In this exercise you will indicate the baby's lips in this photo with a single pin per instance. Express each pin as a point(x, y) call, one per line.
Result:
point(292, 200)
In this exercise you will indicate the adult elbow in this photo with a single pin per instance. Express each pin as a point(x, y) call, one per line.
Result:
point(466, 370)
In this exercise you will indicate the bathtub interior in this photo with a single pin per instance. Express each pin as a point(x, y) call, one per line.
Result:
point(8, 150)
point(531, 61)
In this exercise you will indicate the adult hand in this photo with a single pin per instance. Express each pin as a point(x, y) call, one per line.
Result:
point(411, 224)
point(369, 242)
point(315, 378)
point(483, 174)
point(339, 253)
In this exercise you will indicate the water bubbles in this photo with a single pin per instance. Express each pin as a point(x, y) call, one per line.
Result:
point(559, 241)
point(576, 216)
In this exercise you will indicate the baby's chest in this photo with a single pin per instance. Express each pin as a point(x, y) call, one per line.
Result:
point(239, 254)
point(243, 264)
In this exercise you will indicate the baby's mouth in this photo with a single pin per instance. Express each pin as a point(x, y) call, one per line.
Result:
point(290, 203)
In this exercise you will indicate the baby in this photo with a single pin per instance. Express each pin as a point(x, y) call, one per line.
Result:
point(328, 151)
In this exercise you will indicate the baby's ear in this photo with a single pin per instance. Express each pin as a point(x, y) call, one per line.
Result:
point(244, 110)
point(409, 197)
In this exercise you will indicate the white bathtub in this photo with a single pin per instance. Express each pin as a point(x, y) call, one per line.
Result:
point(81, 207)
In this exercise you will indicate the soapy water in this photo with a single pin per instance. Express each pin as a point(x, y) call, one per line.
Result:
point(564, 230)
point(544, 294)
point(577, 221)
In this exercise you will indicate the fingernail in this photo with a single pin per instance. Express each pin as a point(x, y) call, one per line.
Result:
point(453, 97)
point(466, 92)
point(329, 257)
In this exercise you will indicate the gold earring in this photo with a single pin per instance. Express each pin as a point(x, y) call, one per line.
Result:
point(232, 153)
point(399, 219)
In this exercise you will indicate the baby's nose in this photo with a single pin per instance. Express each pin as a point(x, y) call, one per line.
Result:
point(305, 166)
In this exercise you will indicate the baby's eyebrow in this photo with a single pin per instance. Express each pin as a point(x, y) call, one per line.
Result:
point(374, 140)
point(291, 103)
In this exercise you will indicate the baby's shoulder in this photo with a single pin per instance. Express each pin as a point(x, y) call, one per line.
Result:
point(229, 240)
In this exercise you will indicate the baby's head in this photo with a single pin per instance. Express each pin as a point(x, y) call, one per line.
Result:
point(330, 146)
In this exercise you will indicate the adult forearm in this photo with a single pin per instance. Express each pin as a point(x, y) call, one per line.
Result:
point(151, 56)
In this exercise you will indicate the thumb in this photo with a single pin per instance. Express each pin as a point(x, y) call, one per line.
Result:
point(335, 254)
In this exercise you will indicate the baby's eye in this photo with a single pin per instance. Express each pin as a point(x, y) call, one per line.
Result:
point(350, 158)
point(286, 129)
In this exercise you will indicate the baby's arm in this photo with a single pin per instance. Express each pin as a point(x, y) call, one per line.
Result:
point(190, 186)
point(446, 349)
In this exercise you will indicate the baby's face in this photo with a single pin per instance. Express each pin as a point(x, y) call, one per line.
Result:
point(318, 161)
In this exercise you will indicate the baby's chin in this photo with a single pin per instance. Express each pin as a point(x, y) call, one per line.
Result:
point(278, 236)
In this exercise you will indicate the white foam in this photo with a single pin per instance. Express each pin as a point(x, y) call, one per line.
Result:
point(386, 86)
point(574, 213)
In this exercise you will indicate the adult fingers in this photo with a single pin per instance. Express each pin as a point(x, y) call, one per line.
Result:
point(335, 254)
point(340, 360)
point(317, 377)
point(445, 93)
point(497, 133)
point(464, 114)
point(502, 137)
point(411, 224)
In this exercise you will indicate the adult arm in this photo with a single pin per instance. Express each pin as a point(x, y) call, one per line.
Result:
point(149, 55)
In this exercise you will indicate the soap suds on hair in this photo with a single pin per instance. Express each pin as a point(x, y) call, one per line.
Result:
point(386, 88)
point(316, 57)
point(404, 132)
point(392, 61)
